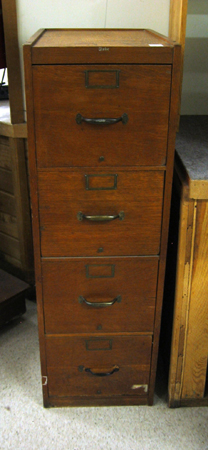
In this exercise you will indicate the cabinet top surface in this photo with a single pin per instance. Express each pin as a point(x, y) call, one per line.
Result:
point(192, 155)
point(101, 38)
point(192, 146)
point(71, 46)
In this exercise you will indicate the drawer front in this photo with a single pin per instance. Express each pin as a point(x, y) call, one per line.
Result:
point(98, 366)
point(141, 92)
point(67, 206)
point(99, 295)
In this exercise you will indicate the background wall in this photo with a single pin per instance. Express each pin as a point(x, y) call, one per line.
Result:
point(195, 78)
point(91, 13)
point(153, 14)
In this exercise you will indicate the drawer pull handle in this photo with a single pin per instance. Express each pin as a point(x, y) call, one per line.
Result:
point(107, 218)
point(102, 374)
point(99, 304)
point(99, 121)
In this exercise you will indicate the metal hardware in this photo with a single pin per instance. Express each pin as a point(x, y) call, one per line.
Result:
point(117, 299)
point(114, 182)
point(100, 250)
point(106, 218)
point(102, 86)
point(91, 266)
point(101, 121)
point(101, 159)
point(102, 374)
point(99, 344)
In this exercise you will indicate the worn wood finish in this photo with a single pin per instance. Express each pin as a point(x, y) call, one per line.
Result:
point(107, 46)
point(69, 357)
point(104, 38)
point(143, 93)
point(99, 280)
point(70, 177)
point(62, 195)
point(85, 386)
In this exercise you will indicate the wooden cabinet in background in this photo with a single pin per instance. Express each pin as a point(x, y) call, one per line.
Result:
point(189, 354)
point(16, 251)
point(102, 113)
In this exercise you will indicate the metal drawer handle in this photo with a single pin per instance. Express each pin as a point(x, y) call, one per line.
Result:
point(107, 218)
point(79, 119)
point(99, 304)
point(102, 374)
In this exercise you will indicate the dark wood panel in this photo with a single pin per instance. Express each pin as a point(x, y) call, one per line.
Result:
point(6, 181)
point(99, 352)
point(99, 280)
point(127, 381)
point(10, 246)
point(22, 204)
point(128, 358)
point(62, 195)
point(5, 153)
point(10, 286)
point(8, 224)
point(143, 94)
point(7, 203)
point(97, 401)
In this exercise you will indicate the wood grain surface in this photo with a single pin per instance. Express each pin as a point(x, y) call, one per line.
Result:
point(143, 94)
point(99, 280)
point(63, 194)
point(196, 357)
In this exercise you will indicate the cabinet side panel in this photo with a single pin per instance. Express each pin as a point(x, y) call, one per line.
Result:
point(174, 99)
point(35, 216)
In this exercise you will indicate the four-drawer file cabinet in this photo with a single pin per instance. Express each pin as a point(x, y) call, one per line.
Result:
point(102, 114)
